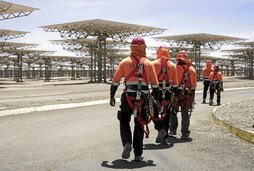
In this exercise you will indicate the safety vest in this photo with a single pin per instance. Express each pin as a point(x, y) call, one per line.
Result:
point(164, 103)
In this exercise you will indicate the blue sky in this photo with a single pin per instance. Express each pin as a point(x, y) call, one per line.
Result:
point(223, 17)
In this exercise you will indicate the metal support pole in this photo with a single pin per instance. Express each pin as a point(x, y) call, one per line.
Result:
point(28, 70)
point(72, 72)
point(199, 59)
point(20, 64)
point(41, 74)
point(251, 66)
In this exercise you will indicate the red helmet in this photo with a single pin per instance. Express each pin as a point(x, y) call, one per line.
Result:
point(163, 47)
point(209, 63)
point(182, 54)
point(138, 40)
point(163, 51)
point(216, 67)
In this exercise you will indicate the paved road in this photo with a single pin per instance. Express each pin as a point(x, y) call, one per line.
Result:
point(87, 138)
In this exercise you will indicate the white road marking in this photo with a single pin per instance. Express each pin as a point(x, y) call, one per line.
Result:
point(73, 105)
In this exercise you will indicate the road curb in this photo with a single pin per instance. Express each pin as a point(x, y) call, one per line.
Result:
point(243, 134)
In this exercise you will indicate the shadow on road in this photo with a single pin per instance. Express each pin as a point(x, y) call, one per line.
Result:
point(124, 164)
point(62, 84)
point(178, 140)
point(83, 83)
point(170, 143)
point(157, 146)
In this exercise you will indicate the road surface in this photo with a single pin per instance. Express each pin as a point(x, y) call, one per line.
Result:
point(87, 138)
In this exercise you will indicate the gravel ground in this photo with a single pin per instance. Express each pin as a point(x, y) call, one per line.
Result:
point(239, 114)
point(32, 92)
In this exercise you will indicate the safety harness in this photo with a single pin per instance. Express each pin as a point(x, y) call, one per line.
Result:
point(214, 82)
point(164, 103)
point(186, 86)
point(138, 102)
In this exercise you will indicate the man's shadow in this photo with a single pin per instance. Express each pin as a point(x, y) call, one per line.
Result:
point(125, 164)
point(158, 146)
point(175, 140)
point(169, 144)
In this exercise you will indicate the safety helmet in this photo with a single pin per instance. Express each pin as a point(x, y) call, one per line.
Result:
point(208, 63)
point(183, 56)
point(162, 47)
point(162, 51)
point(216, 67)
point(138, 41)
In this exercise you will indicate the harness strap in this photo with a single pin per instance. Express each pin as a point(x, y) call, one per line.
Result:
point(163, 106)
point(132, 73)
point(215, 78)
point(165, 77)
point(163, 69)
point(137, 106)
point(186, 83)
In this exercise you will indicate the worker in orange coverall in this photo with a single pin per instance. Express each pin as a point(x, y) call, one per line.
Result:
point(137, 72)
point(205, 74)
point(216, 85)
point(187, 83)
point(167, 77)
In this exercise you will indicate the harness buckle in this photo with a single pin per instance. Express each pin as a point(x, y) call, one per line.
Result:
point(135, 112)
point(164, 84)
point(140, 67)
point(138, 95)
point(164, 69)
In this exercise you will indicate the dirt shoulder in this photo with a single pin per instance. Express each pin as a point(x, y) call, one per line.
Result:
point(31, 93)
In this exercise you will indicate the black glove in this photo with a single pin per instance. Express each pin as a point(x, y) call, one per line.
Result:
point(193, 93)
point(113, 89)
point(222, 89)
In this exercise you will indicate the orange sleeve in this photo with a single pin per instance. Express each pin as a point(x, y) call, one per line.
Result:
point(119, 74)
point(174, 75)
point(203, 72)
point(179, 71)
point(211, 76)
point(152, 77)
point(220, 77)
point(193, 77)
point(156, 67)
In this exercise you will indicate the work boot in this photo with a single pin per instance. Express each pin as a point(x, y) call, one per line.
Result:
point(162, 133)
point(138, 158)
point(165, 140)
point(126, 151)
point(172, 133)
point(185, 137)
point(203, 101)
point(211, 102)
point(218, 103)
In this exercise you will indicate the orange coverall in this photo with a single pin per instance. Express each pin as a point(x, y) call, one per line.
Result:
point(171, 83)
point(125, 70)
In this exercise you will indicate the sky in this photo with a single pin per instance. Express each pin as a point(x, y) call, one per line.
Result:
point(223, 17)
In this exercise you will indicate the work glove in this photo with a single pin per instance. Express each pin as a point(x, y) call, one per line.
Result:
point(222, 89)
point(175, 100)
point(174, 104)
point(112, 101)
